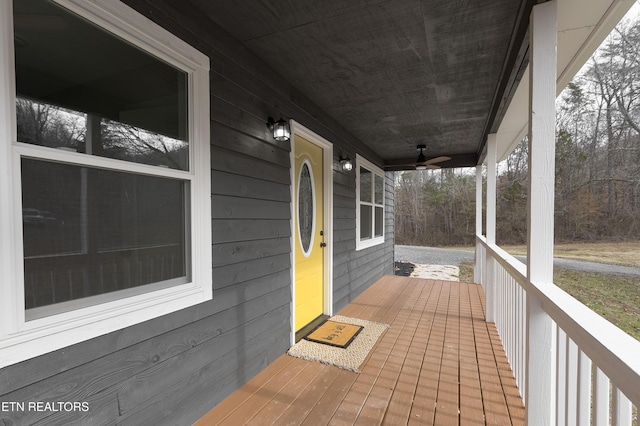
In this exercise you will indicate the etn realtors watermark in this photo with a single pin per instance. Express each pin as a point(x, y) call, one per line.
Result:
point(13, 406)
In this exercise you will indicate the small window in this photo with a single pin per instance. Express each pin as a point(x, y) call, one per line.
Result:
point(370, 211)
point(111, 174)
point(306, 208)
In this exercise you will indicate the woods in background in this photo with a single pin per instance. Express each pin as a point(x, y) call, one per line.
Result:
point(597, 166)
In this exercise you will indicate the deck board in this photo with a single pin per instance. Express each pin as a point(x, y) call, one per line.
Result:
point(439, 362)
point(471, 409)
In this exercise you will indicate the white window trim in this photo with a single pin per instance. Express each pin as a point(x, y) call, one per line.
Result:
point(20, 339)
point(375, 170)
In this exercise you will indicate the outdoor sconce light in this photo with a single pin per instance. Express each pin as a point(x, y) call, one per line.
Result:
point(280, 129)
point(346, 164)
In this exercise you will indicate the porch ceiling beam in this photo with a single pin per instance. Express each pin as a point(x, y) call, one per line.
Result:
point(512, 73)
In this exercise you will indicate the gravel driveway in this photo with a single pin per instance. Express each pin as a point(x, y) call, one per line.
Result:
point(444, 256)
point(432, 255)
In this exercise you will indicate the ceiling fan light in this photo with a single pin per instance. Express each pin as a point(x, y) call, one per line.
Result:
point(421, 167)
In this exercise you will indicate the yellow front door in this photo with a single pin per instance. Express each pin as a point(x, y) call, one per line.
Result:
point(309, 233)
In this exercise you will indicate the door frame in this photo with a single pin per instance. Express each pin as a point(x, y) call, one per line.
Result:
point(298, 129)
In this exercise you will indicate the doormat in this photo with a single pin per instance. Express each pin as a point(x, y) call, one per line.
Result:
point(334, 333)
point(349, 358)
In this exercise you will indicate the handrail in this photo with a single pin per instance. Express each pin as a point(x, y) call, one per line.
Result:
point(612, 350)
point(616, 353)
point(516, 268)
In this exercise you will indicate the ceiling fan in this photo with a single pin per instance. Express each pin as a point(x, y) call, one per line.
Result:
point(422, 163)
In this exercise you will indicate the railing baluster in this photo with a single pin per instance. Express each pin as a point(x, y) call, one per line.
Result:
point(600, 398)
point(621, 408)
point(70, 273)
point(126, 279)
point(101, 279)
point(561, 376)
point(53, 286)
point(523, 336)
point(584, 389)
point(33, 289)
point(572, 383)
point(115, 275)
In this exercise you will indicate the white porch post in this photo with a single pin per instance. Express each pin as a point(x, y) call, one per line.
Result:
point(490, 285)
point(478, 270)
point(540, 352)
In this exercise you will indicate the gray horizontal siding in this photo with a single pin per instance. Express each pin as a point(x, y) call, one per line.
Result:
point(232, 230)
point(354, 271)
point(172, 369)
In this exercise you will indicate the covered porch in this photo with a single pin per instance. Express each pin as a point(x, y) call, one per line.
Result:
point(439, 362)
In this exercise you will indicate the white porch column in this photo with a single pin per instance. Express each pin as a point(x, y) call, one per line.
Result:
point(490, 285)
point(492, 141)
point(540, 365)
point(478, 270)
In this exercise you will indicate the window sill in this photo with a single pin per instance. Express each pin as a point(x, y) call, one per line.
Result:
point(48, 334)
point(361, 245)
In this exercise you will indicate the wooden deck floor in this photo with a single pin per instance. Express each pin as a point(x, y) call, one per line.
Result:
point(439, 363)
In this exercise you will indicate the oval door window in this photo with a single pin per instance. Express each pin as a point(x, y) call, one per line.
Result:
point(306, 208)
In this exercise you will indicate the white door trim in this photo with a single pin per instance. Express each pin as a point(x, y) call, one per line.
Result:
point(327, 149)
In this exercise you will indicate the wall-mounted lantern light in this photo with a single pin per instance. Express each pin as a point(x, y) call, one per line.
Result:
point(346, 164)
point(280, 129)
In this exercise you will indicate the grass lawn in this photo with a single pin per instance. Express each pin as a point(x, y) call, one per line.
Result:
point(614, 297)
point(625, 253)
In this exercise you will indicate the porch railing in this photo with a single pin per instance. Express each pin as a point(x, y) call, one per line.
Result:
point(596, 376)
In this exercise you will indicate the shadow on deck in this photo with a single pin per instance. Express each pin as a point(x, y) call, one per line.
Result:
point(438, 363)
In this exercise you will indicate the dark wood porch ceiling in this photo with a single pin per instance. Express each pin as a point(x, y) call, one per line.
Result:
point(394, 73)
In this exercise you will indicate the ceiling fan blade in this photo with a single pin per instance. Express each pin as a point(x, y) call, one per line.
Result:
point(437, 160)
point(405, 165)
point(421, 162)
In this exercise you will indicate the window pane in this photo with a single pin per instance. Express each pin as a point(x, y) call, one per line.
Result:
point(365, 185)
point(47, 125)
point(379, 219)
point(82, 88)
point(365, 222)
point(89, 232)
point(379, 189)
point(306, 208)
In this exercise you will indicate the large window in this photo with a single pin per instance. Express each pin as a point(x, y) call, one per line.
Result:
point(107, 139)
point(370, 209)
